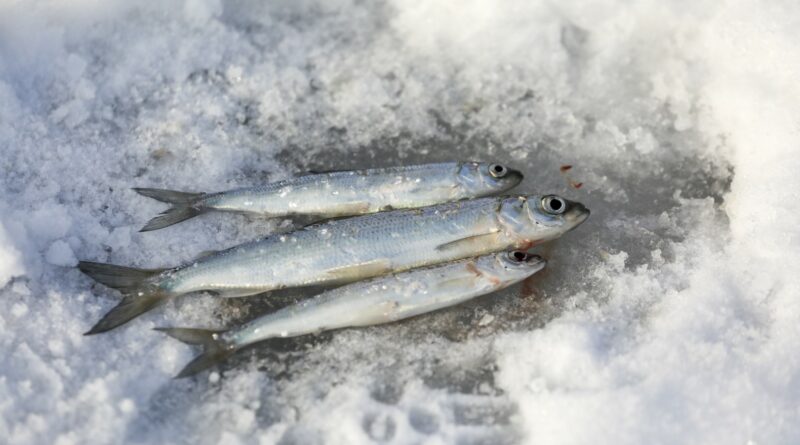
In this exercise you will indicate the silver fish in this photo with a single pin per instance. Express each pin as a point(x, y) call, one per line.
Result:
point(346, 250)
point(343, 193)
point(365, 303)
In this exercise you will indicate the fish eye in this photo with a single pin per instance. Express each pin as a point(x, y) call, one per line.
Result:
point(517, 256)
point(497, 170)
point(554, 205)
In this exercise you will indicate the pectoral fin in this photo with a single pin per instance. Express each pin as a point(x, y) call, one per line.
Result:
point(460, 281)
point(358, 271)
point(341, 211)
point(377, 313)
point(467, 241)
point(457, 282)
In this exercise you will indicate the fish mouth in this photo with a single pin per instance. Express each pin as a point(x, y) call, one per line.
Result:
point(577, 215)
point(535, 261)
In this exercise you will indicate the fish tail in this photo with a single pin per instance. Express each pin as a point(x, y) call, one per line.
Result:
point(215, 349)
point(184, 206)
point(141, 295)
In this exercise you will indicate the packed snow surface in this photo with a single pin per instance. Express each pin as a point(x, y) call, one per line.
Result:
point(671, 316)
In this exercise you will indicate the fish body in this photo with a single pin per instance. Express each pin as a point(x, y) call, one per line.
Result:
point(346, 250)
point(344, 193)
point(350, 249)
point(355, 248)
point(391, 297)
point(379, 300)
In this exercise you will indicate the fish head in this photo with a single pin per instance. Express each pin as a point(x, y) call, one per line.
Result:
point(506, 268)
point(534, 219)
point(481, 178)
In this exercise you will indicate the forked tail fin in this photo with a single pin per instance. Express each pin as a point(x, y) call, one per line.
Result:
point(141, 295)
point(215, 349)
point(184, 206)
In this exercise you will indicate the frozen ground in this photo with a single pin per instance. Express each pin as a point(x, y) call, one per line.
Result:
point(671, 316)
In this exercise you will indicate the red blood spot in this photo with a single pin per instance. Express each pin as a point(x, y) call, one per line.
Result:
point(577, 185)
point(565, 168)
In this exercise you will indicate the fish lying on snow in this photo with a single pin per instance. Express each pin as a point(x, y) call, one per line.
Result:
point(343, 193)
point(346, 250)
point(380, 300)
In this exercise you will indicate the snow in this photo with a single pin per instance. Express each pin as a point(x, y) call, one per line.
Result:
point(671, 316)
point(60, 254)
point(10, 259)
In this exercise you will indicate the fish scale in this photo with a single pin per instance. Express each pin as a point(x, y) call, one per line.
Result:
point(301, 258)
point(343, 193)
point(344, 184)
point(390, 298)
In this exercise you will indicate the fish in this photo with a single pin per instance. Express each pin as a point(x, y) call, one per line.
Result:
point(365, 303)
point(342, 193)
point(345, 250)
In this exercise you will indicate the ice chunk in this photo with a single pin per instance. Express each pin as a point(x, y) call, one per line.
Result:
point(60, 254)
point(49, 222)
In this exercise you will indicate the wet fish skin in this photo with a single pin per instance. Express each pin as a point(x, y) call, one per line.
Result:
point(376, 301)
point(355, 248)
point(345, 250)
point(391, 298)
point(344, 193)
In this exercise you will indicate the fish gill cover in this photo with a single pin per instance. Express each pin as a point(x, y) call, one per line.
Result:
point(672, 316)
